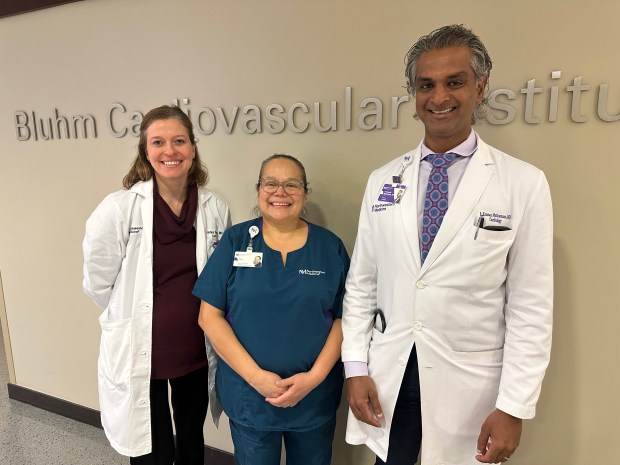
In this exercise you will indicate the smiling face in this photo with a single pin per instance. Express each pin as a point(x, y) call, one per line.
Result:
point(281, 207)
point(447, 92)
point(169, 150)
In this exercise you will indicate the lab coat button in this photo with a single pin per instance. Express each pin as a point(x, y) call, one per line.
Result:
point(420, 284)
point(418, 326)
point(402, 362)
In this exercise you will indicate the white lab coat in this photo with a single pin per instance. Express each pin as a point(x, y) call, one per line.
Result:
point(479, 309)
point(118, 276)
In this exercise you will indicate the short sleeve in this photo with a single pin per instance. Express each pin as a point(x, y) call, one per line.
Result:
point(344, 259)
point(212, 284)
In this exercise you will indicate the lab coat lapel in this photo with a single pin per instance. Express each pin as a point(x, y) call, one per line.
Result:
point(409, 207)
point(145, 189)
point(470, 189)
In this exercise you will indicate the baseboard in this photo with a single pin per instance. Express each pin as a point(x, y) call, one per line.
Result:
point(15, 7)
point(55, 405)
point(215, 456)
point(91, 417)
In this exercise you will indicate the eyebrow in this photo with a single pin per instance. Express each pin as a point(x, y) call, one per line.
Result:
point(271, 178)
point(459, 74)
point(173, 137)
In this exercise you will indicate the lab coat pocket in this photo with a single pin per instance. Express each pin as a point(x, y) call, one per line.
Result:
point(377, 348)
point(492, 235)
point(115, 352)
point(484, 257)
point(114, 376)
point(489, 358)
point(377, 337)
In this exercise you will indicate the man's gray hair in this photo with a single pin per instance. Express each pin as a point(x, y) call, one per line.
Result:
point(455, 35)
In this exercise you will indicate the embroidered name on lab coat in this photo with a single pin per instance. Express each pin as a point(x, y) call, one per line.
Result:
point(498, 218)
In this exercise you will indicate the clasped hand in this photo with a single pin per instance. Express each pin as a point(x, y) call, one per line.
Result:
point(284, 392)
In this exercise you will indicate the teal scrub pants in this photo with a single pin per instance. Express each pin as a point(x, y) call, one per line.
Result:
point(254, 447)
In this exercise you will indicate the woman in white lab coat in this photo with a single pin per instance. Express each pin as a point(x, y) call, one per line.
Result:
point(143, 249)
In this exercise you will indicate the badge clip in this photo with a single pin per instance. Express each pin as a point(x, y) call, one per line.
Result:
point(253, 231)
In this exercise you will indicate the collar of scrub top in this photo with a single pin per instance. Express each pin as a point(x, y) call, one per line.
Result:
point(255, 229)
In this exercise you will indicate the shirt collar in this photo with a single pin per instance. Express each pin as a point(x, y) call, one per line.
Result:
point(464, 149)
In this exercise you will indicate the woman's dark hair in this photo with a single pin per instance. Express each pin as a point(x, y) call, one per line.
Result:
point(284, 156)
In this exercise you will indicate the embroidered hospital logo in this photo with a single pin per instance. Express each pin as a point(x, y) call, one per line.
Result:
point(379, 207)
point(311, 272)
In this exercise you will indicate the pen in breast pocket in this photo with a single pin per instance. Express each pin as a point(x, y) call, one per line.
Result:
point(479, 224)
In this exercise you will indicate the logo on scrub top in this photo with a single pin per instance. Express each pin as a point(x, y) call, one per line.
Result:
point(311, 272)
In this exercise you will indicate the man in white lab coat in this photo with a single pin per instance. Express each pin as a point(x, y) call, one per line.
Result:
point(447, 335)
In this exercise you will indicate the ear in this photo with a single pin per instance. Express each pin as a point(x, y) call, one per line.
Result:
point(481, 85)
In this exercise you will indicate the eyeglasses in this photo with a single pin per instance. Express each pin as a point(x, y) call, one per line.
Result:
point(292, 186)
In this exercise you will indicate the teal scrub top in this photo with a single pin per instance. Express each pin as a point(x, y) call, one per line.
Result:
point(282, 315)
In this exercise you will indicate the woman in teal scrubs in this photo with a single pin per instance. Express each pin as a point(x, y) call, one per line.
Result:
point(271, 306)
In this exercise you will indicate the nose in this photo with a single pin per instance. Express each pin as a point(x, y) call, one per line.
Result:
point(280, 186)
point(169, 147)
point(439, 95)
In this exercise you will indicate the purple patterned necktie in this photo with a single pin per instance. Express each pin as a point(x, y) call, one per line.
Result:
point(436, 201)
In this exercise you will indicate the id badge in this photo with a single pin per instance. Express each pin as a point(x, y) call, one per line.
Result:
point(392, 192)
point(248, 259)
